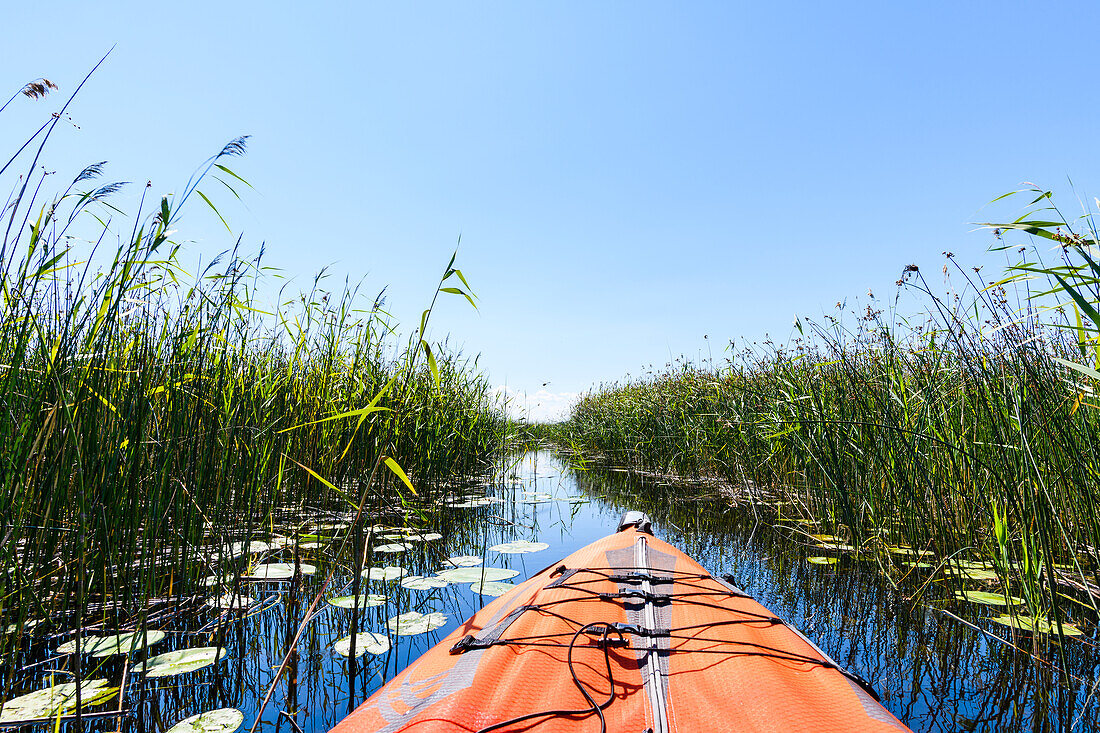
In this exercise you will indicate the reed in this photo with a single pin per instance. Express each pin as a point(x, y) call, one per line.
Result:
point(962, 433)
point(153, 416)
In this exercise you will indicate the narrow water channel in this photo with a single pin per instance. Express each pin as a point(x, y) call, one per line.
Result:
point(934, 672)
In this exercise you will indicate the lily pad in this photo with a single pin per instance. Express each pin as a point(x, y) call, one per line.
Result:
point(279, 571)
point(212, 580)
point(183, 660)
point(51, 701)
point(493, 588)
point(108, 646)
point(222, 720)
point(462, 561)
point(412, 623)
point(423, 537)
point(475, 575)
point(988, 599)
point(417, 582)
point(820, 560)
point(383, 575)
point(519, 547)
point(837, 546)
point(370, 600)
point(239, 549)
point(537, 498)
point(1041, 625)
point(909, 552)
point(976, 574)
point(826, 537)
point(230, 602)
point(365, 641)
point(918, 564)
point(393, 547)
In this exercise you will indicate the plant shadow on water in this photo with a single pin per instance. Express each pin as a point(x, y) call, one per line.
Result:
point(932, 671)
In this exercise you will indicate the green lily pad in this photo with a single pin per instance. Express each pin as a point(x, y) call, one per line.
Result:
point(365, 641)
point(519, 547)
point(382, 575)
point(183, 660)
point(494, 588)
point(819, 560)
point(212, 580)
point(418, 582)
point(423, 537)
point(918, 564)
point(909, 552)
point(230, 602)
point(393, 547)
point(279, 571)
point(975, 574)
point(1041, 625)
point(462, 561)
point(370, 600)
point(51, 701)
point(239, 549)
point(108, 646)
point(974, 565)
point(475, 575)
point(837, 546)
point(412, 623)
point(223, 720)
point(988, 599)
point(827, 537)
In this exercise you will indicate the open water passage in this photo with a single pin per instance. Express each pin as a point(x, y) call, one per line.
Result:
point(932, 668)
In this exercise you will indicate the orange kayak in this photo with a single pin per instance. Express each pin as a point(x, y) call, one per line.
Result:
point(627, 634)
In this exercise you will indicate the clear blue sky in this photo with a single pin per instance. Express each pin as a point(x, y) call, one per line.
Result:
point(626, 176)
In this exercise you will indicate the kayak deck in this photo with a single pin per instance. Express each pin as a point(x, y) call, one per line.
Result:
point(626, 634)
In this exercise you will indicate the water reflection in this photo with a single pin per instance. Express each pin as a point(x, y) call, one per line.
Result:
point(932, 671)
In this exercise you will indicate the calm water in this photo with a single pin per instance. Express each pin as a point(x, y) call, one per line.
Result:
point(932, 671)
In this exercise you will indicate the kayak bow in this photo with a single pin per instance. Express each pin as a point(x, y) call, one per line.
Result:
point(626, 634)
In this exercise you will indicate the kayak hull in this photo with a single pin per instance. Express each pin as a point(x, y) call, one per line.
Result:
point(632, 631)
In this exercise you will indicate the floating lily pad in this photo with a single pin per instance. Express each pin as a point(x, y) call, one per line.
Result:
point(230, 602)
point(918, 564)
point(988, 599)
point(1041, 625)
point(423, 537)
point(820, 560)
point(976, 574)
point(537, 498)
point(519, 547)
point(183, 660)
point(974, 565)
point(212, 580)
point(837, 546)
point(28, 626)
point(108, 646)
point(909, 552)
point(279, 571)
point(393, 547)
point(462, 561)
point(417, 582)
point(370, 600)
point(239, 549)
point(412, 622)
point(474, 502)
point(827, 537)
point(475, 575)
point(383, 575)
point(223, 720)
point(51, 701)
point(365, 641)
point(494, 588)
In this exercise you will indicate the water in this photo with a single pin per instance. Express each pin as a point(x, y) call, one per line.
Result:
point(932, 671)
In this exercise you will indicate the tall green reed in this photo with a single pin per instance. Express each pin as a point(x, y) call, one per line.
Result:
point(154, 415)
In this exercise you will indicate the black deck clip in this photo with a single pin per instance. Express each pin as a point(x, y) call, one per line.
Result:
point(465, 644)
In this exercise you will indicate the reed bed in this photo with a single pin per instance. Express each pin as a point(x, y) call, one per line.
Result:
point(962, 437)
point(154, 415)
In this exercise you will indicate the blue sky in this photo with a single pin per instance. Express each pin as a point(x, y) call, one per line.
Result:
point(626, 177)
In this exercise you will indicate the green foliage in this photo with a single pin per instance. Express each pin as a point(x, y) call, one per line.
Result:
point(959, 433)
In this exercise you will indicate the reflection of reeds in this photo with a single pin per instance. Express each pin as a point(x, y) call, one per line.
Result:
point(959, 435)
point(147, 412)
